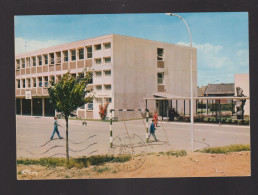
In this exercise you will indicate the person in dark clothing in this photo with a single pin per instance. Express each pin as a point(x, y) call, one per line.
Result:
point(152, 131)
point(56, 129)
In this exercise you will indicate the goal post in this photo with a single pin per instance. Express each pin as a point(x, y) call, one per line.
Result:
point(128, 110)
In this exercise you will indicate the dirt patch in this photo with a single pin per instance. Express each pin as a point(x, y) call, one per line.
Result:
point(156, 165)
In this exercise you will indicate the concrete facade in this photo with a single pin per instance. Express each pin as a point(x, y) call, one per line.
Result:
point(242, 81)
point(125, 70)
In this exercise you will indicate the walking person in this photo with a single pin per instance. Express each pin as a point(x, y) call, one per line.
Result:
point(56, 129)
point(152, 131)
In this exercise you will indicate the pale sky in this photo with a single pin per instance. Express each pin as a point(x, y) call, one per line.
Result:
point(221, 38)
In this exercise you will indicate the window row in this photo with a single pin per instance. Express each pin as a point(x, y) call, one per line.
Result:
point(40, 81)
point(105, 60)
point(100, 100)
point(57, 58)
point(106, 87)
point(99, 73)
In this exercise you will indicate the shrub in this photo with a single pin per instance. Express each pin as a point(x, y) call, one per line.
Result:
point(226, 149)
point(75, 162)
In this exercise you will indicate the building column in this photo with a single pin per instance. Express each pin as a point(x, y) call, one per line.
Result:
point(184, 107)
point(21, 105)
point(31, 106)
point(43, 107)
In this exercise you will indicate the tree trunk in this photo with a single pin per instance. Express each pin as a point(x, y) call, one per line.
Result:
point(67, 146)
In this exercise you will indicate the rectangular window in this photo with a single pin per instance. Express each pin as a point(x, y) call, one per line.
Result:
point(99, 87)
point(107, 60)
point(97, 47)
point(98, 73)
point(160, 78)
point(65, 56)
point(52, 58)
point(17, 64)
point(18, 84)
point(45, 81)
point(58, 57)
point(108, 87)
point(98, 61)
point(73, 55)
point(46, 59)
point(90, 105)
point(160, 54)
point(109, 100)
point(73, 75)
point(34, 61)
point(28, 62)
point(23, 62)
point(34, 82)
point(28, 83)
point(81, 54)
point(89, 52)
point(40, 60)
point(107, 45)
point(107, 72)
point(99, 100)
point(40, 81)
point(23, 83)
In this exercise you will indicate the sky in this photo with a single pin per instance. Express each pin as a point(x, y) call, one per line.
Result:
point(221, 38)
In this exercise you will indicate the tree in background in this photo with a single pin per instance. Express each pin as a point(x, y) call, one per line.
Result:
point(68, 94)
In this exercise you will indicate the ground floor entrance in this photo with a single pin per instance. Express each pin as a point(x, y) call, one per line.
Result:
point(34, 107)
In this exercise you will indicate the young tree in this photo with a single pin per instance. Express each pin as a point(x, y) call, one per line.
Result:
point(67, 95)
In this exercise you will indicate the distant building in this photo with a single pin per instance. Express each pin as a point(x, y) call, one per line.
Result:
point(125, 70)
point(242, 81)
point(218, 90)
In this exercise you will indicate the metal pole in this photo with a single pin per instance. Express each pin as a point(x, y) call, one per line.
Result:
point(184, 107)
point(191, 73)
point(219, 113)
point(176, 106)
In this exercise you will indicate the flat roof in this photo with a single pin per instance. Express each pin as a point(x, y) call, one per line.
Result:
point(200, 98)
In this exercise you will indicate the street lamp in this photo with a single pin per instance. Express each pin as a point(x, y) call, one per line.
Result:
point(191, 64)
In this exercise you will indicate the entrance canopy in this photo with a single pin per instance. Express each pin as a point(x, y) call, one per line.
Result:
point(168, 96)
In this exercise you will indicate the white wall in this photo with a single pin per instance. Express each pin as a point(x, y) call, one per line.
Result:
point(135, 71)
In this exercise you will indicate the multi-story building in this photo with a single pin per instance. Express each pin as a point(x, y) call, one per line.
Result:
point(125, 71)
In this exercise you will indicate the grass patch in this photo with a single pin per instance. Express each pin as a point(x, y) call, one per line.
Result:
point(176, 153)
point(101, 169)
point(226, 149)
point(75, 162)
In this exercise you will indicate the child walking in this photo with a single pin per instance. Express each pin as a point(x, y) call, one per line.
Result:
point(56, 129)
point(152, 131)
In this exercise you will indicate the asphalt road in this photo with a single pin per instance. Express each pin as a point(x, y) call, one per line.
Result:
point(33, 136)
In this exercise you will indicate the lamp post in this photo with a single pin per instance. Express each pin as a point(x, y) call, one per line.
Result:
point(191, 77)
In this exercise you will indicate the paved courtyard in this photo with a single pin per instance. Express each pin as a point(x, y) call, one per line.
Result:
point(33, 136)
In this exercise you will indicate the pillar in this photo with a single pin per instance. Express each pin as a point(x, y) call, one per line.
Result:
point(43, 107)
point(21, 105)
